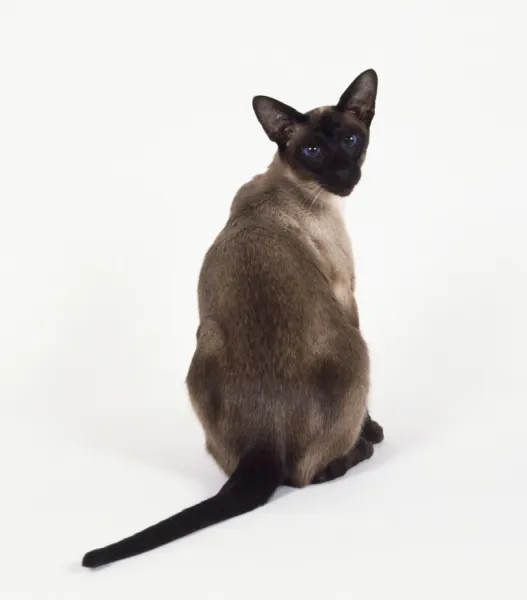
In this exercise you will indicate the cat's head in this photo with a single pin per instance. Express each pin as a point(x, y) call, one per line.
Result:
point(326, 145)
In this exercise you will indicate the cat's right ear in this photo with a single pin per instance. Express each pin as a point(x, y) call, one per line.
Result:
point(277, 119)
point(360, 96)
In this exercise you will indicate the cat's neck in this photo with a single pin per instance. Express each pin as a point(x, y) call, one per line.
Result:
point(281, 182)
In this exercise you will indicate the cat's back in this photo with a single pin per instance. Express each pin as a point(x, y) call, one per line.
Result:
point(273, 251)
point(256, 275)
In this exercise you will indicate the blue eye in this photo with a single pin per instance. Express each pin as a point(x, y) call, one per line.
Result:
point(311, 151)
point(351, 140)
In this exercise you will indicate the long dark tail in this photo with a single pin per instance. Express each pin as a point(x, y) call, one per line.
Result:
point(252, 484)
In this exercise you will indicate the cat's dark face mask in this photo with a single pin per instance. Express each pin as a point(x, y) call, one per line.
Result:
point(326, 145)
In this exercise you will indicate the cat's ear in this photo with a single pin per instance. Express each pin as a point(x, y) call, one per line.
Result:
point(360, 96)
point(277, 119)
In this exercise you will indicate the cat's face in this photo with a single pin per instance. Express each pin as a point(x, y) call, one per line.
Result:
point(326, 145)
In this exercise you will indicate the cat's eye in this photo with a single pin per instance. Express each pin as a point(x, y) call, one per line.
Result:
point(352, 140)
point(312, 151)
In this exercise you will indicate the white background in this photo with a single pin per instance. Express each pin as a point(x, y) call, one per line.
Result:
point(125, 130)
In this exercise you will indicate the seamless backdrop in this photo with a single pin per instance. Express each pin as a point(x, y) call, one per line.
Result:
point(125, 129)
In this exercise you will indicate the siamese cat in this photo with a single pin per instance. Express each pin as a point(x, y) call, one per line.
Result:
point(280, 374)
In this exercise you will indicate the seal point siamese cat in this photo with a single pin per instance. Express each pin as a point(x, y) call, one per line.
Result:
point(280, 374)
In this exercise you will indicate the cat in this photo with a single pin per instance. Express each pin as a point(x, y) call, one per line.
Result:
point(280, 375)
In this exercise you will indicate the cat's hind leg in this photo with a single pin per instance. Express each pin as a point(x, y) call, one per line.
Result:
point(362, 450)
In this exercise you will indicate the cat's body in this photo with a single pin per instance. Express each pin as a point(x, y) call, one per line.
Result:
point(279, 354)
point(280, 375)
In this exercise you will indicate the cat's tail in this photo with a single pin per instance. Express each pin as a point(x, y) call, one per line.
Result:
point(252, 484)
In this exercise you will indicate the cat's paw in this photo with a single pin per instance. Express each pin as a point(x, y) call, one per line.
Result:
point(366, 446)
point(337, 468)
point(373, 432)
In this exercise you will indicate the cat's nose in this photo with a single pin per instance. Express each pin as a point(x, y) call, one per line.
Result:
point(343, 174)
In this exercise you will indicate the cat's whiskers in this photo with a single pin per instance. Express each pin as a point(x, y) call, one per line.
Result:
point(304, 188)
point(315, 198)
point(308, 191)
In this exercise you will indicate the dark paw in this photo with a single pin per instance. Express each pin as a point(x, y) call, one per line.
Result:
point(334, 470)
point(373, 432)
point(363, 450)
point(367, 448)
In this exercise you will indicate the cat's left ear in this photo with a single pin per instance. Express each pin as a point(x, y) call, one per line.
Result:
point(278, 120)
point(360, 96)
